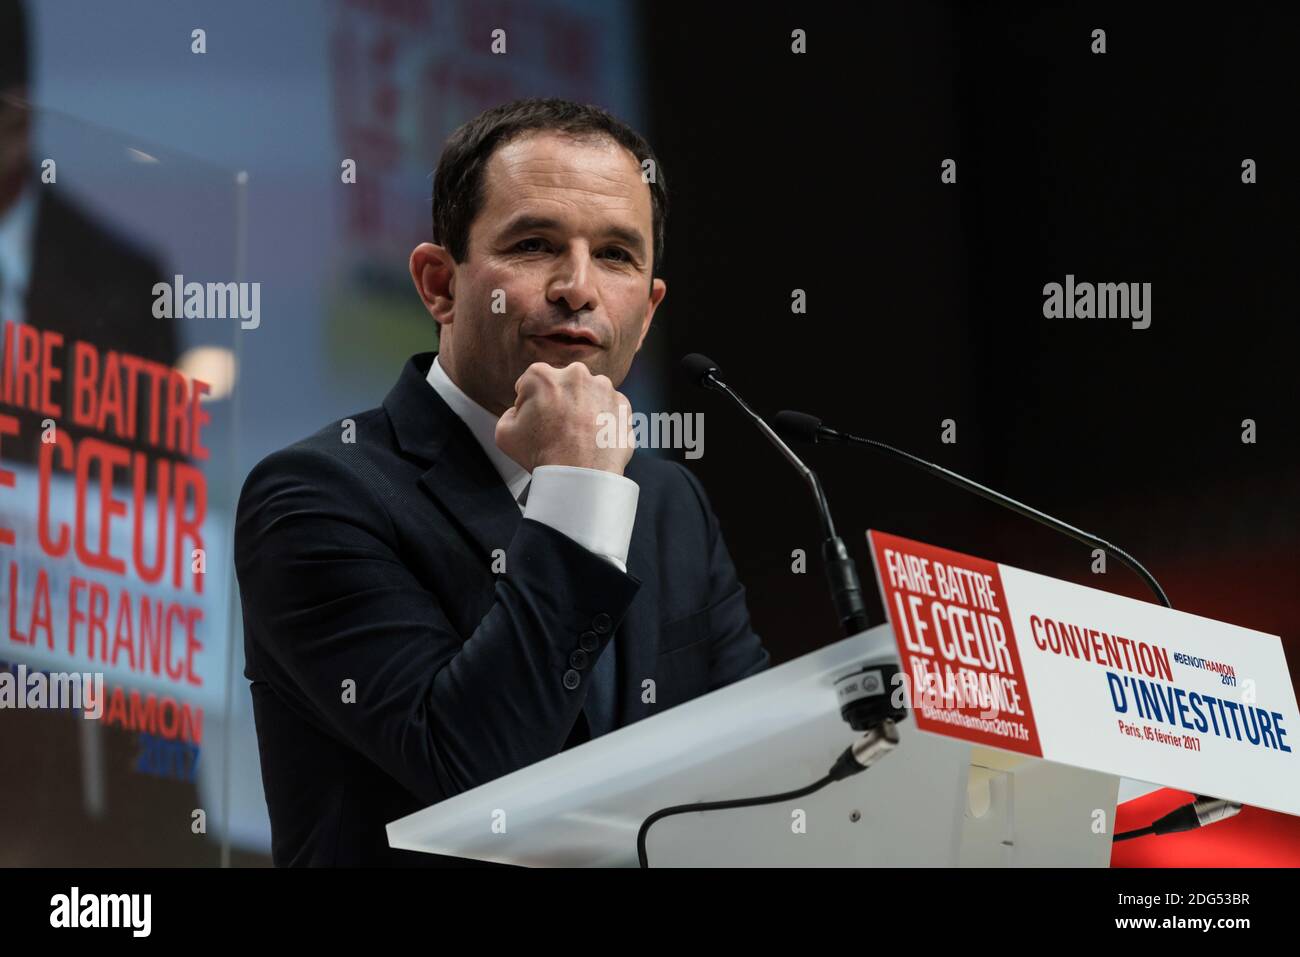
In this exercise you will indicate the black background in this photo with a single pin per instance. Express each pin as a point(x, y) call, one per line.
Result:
point(925, 302)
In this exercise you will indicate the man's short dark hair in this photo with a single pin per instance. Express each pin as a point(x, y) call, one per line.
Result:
point(458, 182)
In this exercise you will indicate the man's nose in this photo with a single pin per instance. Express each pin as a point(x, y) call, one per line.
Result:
point(573, 280)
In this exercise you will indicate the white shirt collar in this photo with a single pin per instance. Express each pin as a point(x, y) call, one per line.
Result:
point(483, 424)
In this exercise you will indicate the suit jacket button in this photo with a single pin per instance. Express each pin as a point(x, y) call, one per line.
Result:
point(601, 623)
point(589, 641)
point(578, 659)
point(572, 679)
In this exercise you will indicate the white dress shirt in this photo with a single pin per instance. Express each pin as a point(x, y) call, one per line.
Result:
point(593, 507)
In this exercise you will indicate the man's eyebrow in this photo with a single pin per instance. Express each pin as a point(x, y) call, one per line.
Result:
point(628, 237)
point(527, 222)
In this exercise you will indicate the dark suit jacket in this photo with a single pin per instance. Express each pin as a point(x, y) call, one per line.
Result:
point(371, 562)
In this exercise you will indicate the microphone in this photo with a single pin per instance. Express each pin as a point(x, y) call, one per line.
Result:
point(864, 695)
point(802, 427)
point(841, 572)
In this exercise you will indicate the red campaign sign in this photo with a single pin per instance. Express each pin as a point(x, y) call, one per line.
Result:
point(955, 640)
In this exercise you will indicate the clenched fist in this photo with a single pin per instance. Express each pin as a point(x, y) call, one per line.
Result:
point(557, 416)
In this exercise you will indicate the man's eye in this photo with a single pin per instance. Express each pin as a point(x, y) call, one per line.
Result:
point(620, 254)
point(533, 245)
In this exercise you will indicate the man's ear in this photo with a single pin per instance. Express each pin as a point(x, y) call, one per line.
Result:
point(658, 289)
point(434, 273)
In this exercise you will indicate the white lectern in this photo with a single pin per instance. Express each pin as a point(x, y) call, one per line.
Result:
point(934, 801)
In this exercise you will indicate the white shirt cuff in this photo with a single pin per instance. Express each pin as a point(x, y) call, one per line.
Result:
point(593, 507)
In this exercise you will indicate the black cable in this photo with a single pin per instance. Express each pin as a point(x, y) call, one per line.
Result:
point(721, 806)
point(1129, 835)
point(880, 739)
point(1199, 813)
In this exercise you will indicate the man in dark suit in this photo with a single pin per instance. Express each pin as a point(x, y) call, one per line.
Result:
point(469, 578)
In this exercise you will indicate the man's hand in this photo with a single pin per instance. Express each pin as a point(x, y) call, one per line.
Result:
point(557, 417)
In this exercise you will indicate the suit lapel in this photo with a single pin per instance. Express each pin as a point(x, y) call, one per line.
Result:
point(460, 477)
point(475, 499)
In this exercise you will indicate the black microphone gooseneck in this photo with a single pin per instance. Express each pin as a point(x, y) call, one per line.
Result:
point(866, 700)
point(841, 572)
point(808, 428)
